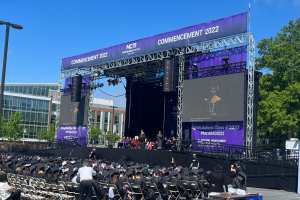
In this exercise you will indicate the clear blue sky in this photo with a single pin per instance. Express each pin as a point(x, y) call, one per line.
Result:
point(54, 29)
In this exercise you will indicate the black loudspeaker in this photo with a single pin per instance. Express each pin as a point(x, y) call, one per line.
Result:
point(76, 88)
point(169, 75)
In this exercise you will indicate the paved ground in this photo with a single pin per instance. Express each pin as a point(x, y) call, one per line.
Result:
point(269, 194)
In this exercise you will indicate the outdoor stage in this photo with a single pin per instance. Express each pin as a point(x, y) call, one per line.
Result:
point(196, 84)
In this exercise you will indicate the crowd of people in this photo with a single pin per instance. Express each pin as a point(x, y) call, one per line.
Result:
point(142, 142)
point(89, 173)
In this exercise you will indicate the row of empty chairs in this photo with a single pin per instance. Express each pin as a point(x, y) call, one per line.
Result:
point(38, 188)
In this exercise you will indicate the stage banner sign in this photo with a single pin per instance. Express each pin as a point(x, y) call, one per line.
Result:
point(210, 134)
point(179, 38)
point(72, 135)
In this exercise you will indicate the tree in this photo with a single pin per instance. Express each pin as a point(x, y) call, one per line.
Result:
point(1, 128)
point(12, 128)
point(95, 134)
point(111, 138)
point(279, 101)
point(49, 134)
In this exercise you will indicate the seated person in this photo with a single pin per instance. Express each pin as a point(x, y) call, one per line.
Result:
point(195, 163)
point(238, 179)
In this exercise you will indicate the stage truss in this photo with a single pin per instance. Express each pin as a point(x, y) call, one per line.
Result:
point(245, 39)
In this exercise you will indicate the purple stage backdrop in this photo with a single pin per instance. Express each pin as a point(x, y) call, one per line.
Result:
point(227, 133)
point(207, 60)
point(72, 134)
point(183, 37)
point(212, 64)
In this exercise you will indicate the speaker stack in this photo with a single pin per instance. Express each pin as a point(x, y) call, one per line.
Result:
point(169, 67)
point(76, 88)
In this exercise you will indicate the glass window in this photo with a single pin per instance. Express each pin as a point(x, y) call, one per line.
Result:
point(98, 116)
point(117, 117)
point(105, 117)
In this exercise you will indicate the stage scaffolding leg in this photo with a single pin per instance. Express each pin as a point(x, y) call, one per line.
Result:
point(90, 112)
point(250, 94)
point(181, 62)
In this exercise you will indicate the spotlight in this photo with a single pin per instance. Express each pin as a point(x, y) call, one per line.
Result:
point(113, 82)
point(194, 67)
point(225, 61)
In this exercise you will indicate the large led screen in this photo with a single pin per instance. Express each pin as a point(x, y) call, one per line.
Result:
point(218, 98)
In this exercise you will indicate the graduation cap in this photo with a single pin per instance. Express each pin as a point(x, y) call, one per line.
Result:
point(65, 170)
point(20, 163)
point(130, 172)
point(33, 168)
point(200, 170)
point(55, 170)
point(115, 173)
point(130, 163)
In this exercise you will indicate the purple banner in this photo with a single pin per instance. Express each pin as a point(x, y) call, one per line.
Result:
point(72, 135)
point(213, 63)
point(207, 60)
point(214, 133)
point(182, 37)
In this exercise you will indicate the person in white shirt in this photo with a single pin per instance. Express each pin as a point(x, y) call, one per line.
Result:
point(87, 184)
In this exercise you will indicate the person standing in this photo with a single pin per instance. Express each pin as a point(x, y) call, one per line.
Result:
point(87, 184)
point(159, 140)
point(142, 139)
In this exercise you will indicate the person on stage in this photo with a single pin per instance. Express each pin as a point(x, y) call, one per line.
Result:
point(195, 163)
point(142, 139)
point(92, 155)
point(159, 140)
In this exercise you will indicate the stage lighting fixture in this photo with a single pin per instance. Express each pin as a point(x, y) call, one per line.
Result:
point(225, 61)
point(194, 67)
point(113, 81)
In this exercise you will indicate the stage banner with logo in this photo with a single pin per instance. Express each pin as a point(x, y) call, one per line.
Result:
point(72, 135)
point(217, 134)
point(227, 26)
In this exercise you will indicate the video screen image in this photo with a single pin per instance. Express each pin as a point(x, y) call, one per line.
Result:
point(218, 98)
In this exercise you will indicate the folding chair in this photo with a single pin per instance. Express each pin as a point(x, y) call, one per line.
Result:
point(72, 189)
point(154, 188)
point(135, 192)
point(172, 191)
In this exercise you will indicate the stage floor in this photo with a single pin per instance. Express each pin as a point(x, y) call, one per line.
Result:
point(269, 194)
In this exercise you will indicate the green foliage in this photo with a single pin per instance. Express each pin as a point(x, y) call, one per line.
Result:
point(1, 128)
point(95, 133)
point(49, 134)
point(279, 101)
point(11, 128)
point(112, 138)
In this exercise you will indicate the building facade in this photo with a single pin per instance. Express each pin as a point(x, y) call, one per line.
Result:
point(107, 117)
point(31, 100)
point(39, 104)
